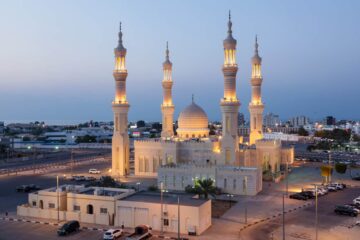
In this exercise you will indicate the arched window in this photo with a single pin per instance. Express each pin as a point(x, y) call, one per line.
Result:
point(90, 209)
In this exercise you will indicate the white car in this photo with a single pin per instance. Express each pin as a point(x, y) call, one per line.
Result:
point(94, 171)
point(357, 201)
point(112, 234)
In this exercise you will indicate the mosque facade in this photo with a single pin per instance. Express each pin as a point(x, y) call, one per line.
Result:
point(179, 158)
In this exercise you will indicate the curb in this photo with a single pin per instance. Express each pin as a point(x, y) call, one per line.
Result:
point(278, 215)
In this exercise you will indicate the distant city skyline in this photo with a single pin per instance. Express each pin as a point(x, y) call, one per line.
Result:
point(57, 58)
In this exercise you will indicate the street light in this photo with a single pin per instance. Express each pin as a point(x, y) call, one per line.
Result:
point(161, 202)
point(316, 212)
point(283, 217)
point(245, 194)
point(57, 193)
point(178, 218)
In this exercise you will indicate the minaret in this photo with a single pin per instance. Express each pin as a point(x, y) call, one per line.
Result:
point(229, 103)
point(120, 106)
point(167, 107)
point(256, 107)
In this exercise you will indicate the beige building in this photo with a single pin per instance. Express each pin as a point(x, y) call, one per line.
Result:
point(145, 208)
point(76, 202)
point(116, 207)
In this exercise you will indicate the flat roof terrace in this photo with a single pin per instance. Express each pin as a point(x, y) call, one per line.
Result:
point(168, 198)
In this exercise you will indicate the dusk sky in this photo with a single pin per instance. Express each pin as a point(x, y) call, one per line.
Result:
point(56, 57)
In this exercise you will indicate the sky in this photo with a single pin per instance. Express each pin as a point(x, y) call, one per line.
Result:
point(56, 57)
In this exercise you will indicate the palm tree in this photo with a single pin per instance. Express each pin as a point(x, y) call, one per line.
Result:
point(206, 187)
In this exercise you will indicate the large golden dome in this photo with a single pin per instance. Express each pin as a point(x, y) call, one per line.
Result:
point(193, 122)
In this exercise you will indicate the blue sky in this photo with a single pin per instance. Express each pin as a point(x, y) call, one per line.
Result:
point(56, 57)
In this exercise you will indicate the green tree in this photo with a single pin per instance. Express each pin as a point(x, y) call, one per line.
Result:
point(303, 132)
point(340, 168)
point(140, 123)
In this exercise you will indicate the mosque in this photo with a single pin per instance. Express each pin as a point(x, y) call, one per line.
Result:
point(180, 158)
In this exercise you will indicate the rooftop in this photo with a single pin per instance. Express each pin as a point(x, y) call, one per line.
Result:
point(168, 198)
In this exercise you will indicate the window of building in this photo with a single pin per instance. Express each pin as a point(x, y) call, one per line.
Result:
point(182, 181)
point(225, 183)
point(90, 209)
point(103, 210)
point(41, 204)
point(174, 180)
point(166, 222)
point(76, 208)
point(234, 184)
point(34, 203)
point(51, 205)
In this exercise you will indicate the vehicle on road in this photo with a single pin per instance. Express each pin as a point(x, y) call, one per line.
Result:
point(298, 196)
point(338, 186)
point(141, 232)
point(346, 210)
point(112, 234)
point(79, 178)
point(94, 171)
point(27, 188)
point(69, 227)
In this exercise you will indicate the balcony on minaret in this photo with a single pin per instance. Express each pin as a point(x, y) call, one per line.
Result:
point(120, 64)
point(230, 58)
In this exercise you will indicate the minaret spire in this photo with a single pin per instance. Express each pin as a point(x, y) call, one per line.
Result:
point(256, 46)
point(229, 25)
point(256, 107)
point(229, 104)
point(120, 45)
point(120, 106)
point(192, 98)
point(167, 106)
point(167, 51)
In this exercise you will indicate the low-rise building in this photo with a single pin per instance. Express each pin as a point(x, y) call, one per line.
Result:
point(117, 207)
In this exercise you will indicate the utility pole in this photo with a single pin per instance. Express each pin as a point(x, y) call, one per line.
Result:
point(245, 194)
point(287, 177)
point(162, 210)
point(316, 213)
point(57, 193)
point(72, 161)
point(283, 220)
point(178, 218)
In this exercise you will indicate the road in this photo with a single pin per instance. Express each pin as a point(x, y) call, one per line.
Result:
point(301, 224)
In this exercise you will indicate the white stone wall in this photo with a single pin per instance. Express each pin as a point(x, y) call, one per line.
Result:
point(228, 178)
point(133, 213)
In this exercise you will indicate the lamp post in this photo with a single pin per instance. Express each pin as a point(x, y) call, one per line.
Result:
point(316, 213)
point(283, 218)
point(161, 202)
point(245, 194)
point(178, 218)
point(57, 194)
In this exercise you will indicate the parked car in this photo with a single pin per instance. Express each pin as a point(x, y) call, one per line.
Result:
point(23, 188)
point(346, 210)
point(27, 188)
point(337, 185)
point(94, 171)
point(34, 187)
point(112, 234)
point(69, 227)
point(308, 194)
point(298, 196)
point(90, 178)
point(79, 178)
point(141, 232)
point(331, 188)
point(356, 207)
point(357, 201)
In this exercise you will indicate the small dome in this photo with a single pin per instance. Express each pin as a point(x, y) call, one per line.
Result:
point(193, 122)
